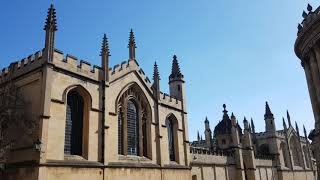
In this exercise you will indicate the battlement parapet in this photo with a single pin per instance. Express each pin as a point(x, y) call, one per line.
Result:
point(170, 100)
point(18, 68)
point(70, 63)
point(204, 156)
point(126, 67)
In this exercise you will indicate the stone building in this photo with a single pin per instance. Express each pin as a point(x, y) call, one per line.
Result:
point(307, 50)
point(61, 118)
point(235, 154)
point(91, 122)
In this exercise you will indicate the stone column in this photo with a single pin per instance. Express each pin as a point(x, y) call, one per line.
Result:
point(312, 76)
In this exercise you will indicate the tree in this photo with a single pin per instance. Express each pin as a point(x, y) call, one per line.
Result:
point(15, 122)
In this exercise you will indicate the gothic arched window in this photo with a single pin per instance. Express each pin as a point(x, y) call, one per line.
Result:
point(295, 151)
point(134, 123)
point(306, 156)
point(132, 129)
point(171, 125)
point(285, 154)
point(74, 124)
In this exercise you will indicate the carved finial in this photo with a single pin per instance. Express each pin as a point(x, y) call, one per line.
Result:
point(289, 119)
point(156, 75)
point(206, 120)
point(245, 119)
point(304, 14)
point(268, 113)
point(309, 8)
point(175, 71)
point(252, 126)
point(132, 46)
point(305, 131)
point(51, 21)
point(233, 116)
point(284, 124)
point(297, 128)
point(105, 46)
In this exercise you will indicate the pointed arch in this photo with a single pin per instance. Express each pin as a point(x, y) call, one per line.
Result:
point(172, 135)
point(285, 154)
point(78, 104)
point(294, 148)
point(134, 122)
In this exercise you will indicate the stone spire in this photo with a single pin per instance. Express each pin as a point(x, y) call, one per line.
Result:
point(132, 46)
point(284, 124)
point(50, 28)
point(156, 75)
point(268, 113)
point(156, 81)
point(198, 137)
point(305, 132)
point(246, 124)
point(105, 57)
point(269, 120)
point(175, 71)
point(297, 129)
point(289, 119)
point(253, 127)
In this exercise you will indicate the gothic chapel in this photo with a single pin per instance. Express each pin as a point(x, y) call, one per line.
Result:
point(94, 122)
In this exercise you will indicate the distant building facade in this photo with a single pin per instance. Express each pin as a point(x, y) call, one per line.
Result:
point(247, 154)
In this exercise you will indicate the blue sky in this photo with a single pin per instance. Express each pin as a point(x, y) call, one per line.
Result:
point(234, 52)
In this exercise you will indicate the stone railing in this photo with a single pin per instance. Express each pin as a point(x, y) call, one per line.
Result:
point(205, 151)
point(264, 156)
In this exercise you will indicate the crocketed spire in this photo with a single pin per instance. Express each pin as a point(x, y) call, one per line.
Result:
point(289, 119)
point(175, 71)
point(305, 131)
point(252, 126)
point(297, 129)
point(132, 41)
point(268, 113)
point(132, 46)
point(156, 75)
point(105, 46)
point(284, 124)
point(51, 21)
point(206, 120)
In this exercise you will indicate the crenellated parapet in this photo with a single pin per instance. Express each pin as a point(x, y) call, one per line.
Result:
point(21, 67)
point(168, 100)
point(71, 64)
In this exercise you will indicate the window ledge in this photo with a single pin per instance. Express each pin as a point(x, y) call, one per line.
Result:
point(134, 158)
point(74, 157)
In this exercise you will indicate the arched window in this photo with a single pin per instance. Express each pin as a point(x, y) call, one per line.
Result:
point(74, 124)
point(132, 129)
point(295, 151)
point(171, 125)
point(285, 154)
point(306, 156)
point(134, 123)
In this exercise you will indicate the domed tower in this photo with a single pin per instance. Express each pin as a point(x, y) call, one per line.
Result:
point(223, 133)
point(307, 49)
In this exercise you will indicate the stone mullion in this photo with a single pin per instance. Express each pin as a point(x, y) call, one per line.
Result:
point(314, 85)
point(140, 145)
point(125, 127)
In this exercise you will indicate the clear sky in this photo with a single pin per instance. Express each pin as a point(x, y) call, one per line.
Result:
point(234, 52)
